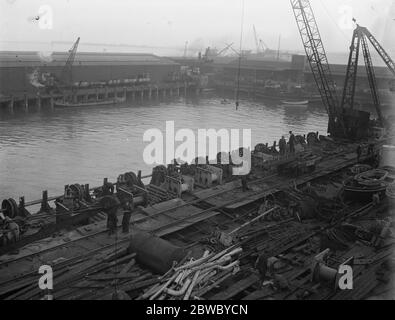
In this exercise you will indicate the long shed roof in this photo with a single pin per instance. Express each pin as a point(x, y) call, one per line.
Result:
point(34, 59)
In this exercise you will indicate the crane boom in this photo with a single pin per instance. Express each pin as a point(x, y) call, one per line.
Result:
point(344, 121)
point(224, 49)
point(372, 79)
point(380, 50)
point(67, 75)
point(352, 70)
point(360, 36)
point(317, 58)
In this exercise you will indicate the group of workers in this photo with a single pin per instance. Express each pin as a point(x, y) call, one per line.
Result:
point(111, 204)
point(283, 151)
point(283, 144)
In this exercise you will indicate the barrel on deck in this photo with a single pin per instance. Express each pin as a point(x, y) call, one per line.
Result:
point(155, 253)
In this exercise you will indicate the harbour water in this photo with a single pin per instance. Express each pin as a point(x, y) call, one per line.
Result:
point(44, 150)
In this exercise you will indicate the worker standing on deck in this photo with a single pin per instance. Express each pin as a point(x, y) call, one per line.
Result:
point(244, 182)
point(110, 206)
point(282, 146)
point(292, 143)
point(274, 148)
point(127, 215)
point(261, 266)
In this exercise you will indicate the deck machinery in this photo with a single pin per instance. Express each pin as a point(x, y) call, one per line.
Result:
point(344, 120)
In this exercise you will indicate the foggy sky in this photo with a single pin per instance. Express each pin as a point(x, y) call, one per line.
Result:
point(163, 26)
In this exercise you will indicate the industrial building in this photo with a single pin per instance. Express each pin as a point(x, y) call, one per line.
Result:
point(259, 70)
point(384, 77)
point(22, 72)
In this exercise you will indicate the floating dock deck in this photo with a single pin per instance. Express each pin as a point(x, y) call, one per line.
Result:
point(216, 220)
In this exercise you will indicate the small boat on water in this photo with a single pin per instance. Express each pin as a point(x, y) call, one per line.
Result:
point(301, 103)
point(106, 102)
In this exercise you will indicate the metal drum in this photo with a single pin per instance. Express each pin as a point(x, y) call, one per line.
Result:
point(9, 208)
point(155, 253)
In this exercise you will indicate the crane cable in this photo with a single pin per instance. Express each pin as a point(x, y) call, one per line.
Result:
point(240, 56)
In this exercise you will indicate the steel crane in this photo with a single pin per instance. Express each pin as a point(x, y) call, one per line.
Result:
point(66, 76)
point(360, 39)
point(317, 58)
point(344, 122)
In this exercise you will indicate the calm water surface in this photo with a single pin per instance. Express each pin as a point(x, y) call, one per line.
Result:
point(46, 150)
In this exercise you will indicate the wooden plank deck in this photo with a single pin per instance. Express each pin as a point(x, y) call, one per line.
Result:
point(236, 288)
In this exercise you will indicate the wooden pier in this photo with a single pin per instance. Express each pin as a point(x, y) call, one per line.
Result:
point(135, 94)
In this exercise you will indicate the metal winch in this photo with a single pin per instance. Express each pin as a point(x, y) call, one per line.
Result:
point(9, 208)
point(131, 190)
point(73, 195)
point(178, 184)
point(158, 175)
point(322, 273)
point(207, 176)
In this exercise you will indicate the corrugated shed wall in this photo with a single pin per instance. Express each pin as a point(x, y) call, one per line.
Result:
point(16, 68)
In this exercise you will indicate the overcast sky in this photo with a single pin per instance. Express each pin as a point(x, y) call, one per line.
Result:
point(163, 26)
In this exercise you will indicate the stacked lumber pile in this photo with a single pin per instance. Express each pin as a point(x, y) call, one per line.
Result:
point(92, 277)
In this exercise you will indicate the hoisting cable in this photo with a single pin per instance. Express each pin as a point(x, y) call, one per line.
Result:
point(240, 57)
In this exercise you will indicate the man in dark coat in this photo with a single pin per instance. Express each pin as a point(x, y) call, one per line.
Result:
point(292, 142)
point(261, 266)
point(282, 145)
point(110, 205)
point(127, 215)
